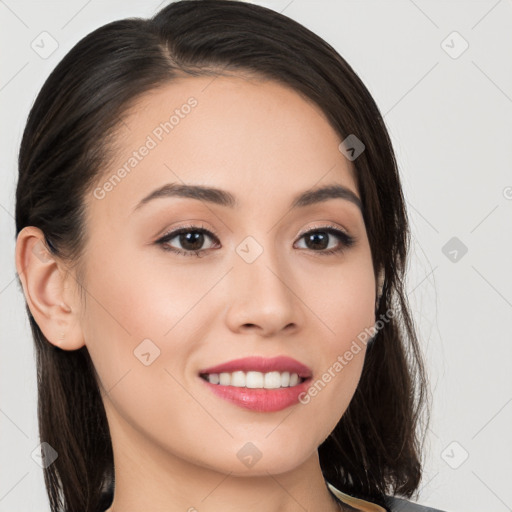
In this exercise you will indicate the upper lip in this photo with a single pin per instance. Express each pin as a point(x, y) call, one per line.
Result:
point(263, 365)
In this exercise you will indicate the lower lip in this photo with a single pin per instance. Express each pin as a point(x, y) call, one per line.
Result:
point(260, 400)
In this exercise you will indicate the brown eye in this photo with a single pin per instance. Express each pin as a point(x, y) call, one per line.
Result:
point(190, 238)
point(319, 239)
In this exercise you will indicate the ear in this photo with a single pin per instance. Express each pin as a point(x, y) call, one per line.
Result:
point(49, 288)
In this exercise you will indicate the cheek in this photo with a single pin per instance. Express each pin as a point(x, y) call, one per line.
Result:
point(140, 331)
point(139, 348)
point(342, 298)
point(124, 317)
point(133, 297)
point(343, 301)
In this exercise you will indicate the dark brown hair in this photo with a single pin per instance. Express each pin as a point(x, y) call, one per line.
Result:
point(376, 447)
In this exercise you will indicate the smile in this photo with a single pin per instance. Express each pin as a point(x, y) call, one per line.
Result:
point(258, 383)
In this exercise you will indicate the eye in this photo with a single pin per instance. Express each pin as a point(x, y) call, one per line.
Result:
point(191, 239)
point(319, 239)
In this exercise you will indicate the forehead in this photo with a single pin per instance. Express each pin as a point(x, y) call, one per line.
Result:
point(255, 137)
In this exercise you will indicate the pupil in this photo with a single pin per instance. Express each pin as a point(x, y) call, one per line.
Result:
point(322, 237)
point(188, 240)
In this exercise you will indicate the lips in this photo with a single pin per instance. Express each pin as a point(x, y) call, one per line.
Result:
point(258, 383)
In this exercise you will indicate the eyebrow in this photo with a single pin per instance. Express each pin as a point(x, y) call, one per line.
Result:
point(225, 198)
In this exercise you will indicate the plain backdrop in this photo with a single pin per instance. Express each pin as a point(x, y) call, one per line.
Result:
point(441, 74)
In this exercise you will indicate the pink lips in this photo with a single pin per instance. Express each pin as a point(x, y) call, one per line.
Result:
point(260, 400)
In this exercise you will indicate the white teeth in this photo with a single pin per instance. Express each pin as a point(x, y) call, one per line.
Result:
point(238, 379)
point(225, 379)
point(254, 380)
point(272, 380)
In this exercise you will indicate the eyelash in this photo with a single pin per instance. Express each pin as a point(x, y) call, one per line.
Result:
point(346, 240)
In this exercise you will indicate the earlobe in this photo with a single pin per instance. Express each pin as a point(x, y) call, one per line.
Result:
point(43, 278)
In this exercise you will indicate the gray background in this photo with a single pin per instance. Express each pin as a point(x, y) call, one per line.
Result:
point(450, 118)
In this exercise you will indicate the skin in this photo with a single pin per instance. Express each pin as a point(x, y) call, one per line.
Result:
point(175, 443)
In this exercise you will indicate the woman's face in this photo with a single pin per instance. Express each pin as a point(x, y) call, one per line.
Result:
point(155, 319)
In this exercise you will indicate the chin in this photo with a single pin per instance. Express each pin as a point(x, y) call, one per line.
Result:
point(254, 458)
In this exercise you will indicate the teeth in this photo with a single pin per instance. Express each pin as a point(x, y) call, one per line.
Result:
point(254, 380)
point(238, 379)
point(272, 380)
point(225, 379)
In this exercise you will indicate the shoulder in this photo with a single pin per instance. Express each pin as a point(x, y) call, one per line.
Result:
point(401, 505)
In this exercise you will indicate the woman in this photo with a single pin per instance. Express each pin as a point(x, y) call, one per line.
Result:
point(211, 240)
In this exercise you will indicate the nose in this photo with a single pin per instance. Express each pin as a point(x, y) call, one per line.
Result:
point(262, 299)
